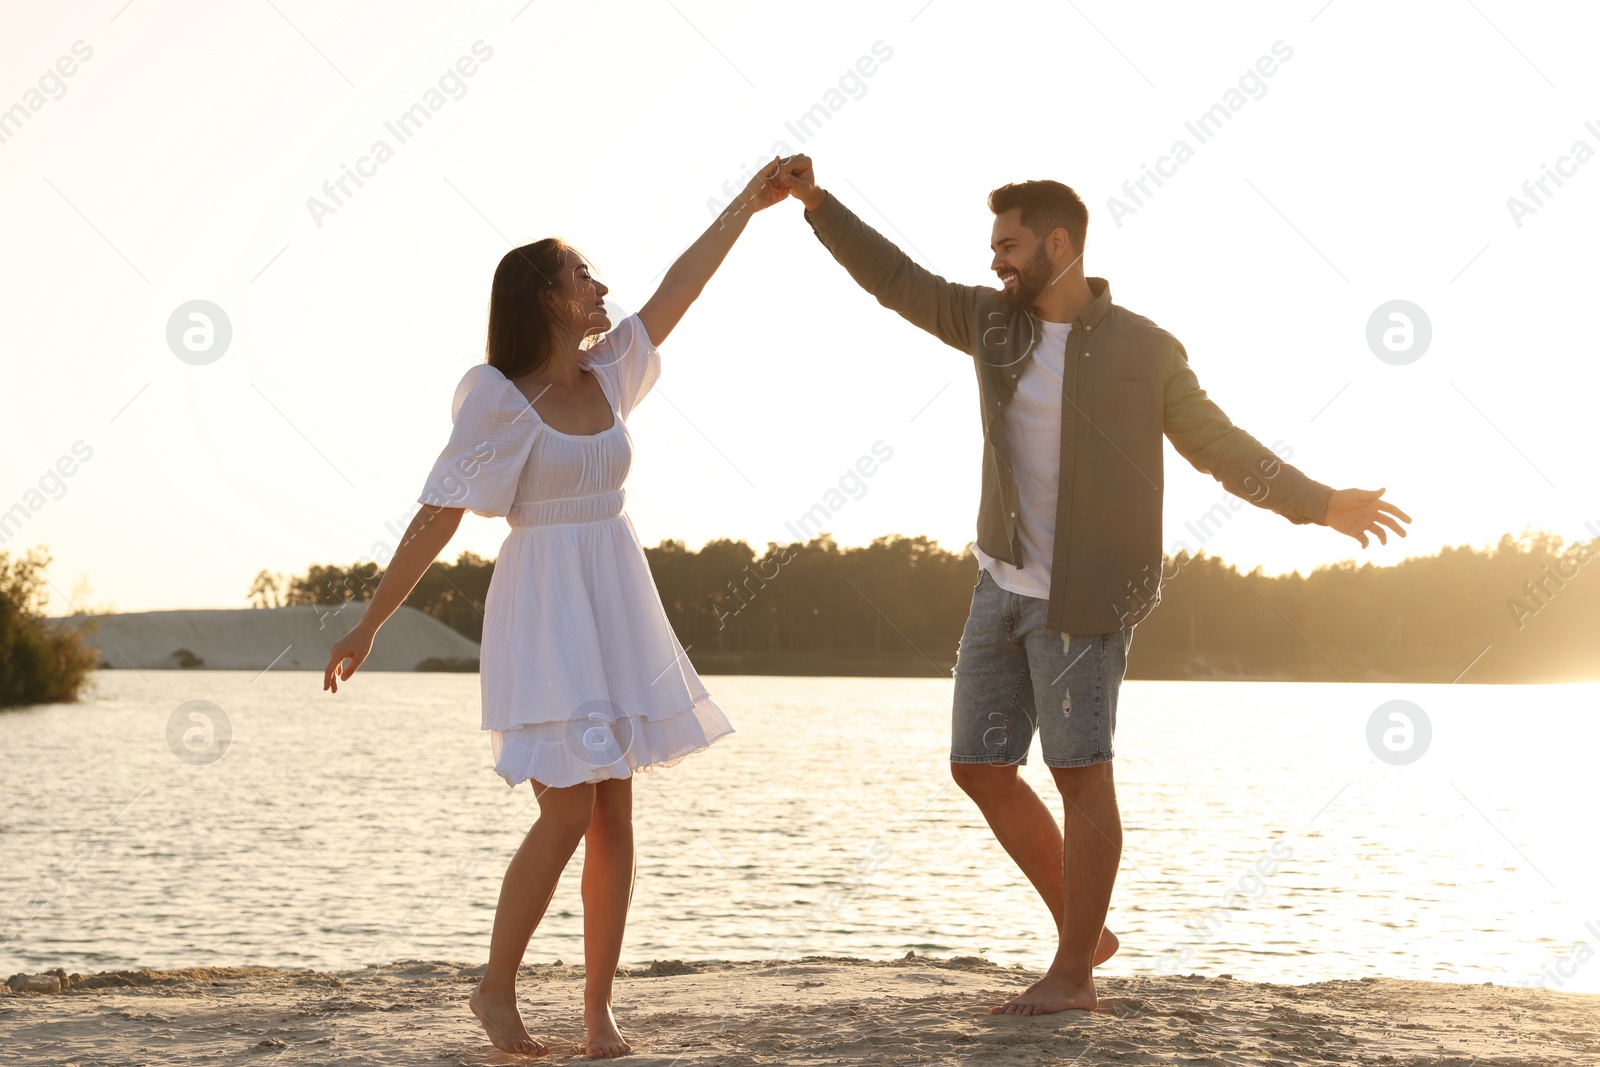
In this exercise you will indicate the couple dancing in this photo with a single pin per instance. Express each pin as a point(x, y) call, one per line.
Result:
point(583, 680)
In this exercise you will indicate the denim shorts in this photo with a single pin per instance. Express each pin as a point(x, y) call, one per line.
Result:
point(1014, 676)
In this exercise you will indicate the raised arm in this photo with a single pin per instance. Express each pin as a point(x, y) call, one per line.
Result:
point(430, 530)
point(921, 297)
point(687, 277)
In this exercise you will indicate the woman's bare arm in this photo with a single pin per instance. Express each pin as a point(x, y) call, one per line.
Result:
point(430, 530)
point(687, 277)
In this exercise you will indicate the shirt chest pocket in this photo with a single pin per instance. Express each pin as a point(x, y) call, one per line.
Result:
point(1122, 409)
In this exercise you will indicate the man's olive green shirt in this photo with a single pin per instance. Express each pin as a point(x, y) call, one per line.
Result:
point(1126, 381)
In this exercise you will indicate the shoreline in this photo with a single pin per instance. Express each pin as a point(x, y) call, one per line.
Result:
point(889, 669)
point(817, 1009)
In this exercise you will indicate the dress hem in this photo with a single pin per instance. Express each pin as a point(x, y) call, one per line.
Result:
point(710, 724)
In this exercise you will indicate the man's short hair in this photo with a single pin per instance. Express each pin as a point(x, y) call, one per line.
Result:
point(1045, 205)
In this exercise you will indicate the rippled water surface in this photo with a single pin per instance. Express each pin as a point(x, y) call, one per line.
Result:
point(1264, 839)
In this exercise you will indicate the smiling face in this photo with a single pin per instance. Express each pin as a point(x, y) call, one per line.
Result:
point(578, 298)
point(1023, 262)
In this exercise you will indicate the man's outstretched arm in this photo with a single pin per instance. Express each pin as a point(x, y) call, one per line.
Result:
point(1205, 436)
point(922, 298)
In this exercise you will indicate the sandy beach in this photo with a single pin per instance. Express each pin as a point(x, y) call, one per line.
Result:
point(819, 1010)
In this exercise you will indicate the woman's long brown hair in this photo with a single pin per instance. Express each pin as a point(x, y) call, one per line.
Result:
point(522, 328)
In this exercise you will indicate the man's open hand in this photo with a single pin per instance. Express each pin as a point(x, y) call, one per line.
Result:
point(796, 175)
point(1359, 512)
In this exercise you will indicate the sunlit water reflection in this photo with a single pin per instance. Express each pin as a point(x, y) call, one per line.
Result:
point(1264, 839)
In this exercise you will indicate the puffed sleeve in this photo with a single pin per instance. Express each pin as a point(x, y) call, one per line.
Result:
point(489, 443)
point(628, 359)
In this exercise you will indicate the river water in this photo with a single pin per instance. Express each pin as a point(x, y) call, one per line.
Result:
point(1265, 838)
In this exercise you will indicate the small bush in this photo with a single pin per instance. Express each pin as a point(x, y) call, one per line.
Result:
point(40, 662)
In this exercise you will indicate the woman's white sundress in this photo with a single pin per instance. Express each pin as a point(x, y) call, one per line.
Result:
point(581, 674)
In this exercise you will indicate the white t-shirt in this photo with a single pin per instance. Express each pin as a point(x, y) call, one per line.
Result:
point(1033, 434)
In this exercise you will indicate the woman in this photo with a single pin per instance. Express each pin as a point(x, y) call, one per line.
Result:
point(583, 680)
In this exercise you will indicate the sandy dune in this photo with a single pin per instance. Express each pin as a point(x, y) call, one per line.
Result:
point(813, 1011)
point(296, 638)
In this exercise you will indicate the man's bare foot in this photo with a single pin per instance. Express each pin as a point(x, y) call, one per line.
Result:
point(605, 1040)
point(503, 1023)
point(1106, 948)
point(1050, 994)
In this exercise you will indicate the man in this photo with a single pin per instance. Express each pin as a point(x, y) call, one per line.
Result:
point(1076, 394)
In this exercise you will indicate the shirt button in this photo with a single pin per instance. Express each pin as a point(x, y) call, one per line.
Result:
point(1086, 355)
point(1013, 514)
point(1013, 375)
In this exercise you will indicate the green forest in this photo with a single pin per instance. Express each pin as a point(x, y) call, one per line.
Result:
point(1527, 610)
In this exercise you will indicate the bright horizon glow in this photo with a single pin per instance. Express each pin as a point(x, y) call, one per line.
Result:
point(1375, 164)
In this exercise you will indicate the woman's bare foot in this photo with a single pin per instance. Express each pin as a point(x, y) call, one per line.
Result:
point(1106, 948)
point(605, 1040)
point(1050, 994)
point(503, 1023)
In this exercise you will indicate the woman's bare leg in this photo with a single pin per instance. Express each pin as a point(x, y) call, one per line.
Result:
point(608, 871)
point(525, 892)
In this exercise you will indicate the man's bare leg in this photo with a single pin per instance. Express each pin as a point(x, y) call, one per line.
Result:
point(1092, 854)
point(1027, 830)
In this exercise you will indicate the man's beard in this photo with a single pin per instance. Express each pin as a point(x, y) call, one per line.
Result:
point(1032, 277)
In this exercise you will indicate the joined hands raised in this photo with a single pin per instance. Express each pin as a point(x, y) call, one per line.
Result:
point(797, 177)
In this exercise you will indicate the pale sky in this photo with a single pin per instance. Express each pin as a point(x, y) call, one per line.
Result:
point(175, 163)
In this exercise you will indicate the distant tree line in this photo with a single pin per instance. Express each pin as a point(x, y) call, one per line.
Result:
point(453, 593)
point(1526, 610)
